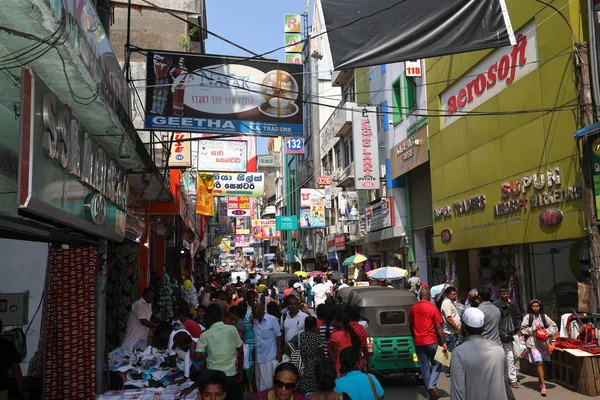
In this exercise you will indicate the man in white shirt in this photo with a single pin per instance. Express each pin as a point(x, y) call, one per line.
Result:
point(319, 292)
point(178, 350)
point(451, 318)
point(139, 324)
point(329, 284)
point(292, 322)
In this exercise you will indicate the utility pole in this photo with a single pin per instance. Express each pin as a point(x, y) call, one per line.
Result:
point(587, 119)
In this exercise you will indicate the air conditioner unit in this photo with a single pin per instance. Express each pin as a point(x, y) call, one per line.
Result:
point(346, 228)
point(383, 171)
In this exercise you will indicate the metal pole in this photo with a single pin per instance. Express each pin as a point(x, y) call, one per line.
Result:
point(100, 327)
point(128, 43)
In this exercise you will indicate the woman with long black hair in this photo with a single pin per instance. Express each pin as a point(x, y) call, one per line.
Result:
point(326, 328)
point(538, 330)
point(342, 337)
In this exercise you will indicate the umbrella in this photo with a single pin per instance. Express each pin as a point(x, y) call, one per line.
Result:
point(391, 273)
point(355, 259)
point(437, 289)
point(337, 275)
point(315, 274)
point(271, 267)
point(301, 274)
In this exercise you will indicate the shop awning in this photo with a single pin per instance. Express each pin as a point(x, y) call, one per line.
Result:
point(587, 131)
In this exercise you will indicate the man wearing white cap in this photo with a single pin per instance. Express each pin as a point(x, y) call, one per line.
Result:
point(478, 366)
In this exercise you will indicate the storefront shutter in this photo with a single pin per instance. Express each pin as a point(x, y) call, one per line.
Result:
point(420, 197)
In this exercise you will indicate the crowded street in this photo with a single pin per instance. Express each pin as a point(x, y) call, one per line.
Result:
point(299, 200)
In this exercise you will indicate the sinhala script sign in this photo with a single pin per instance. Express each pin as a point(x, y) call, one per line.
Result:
point(222, 156)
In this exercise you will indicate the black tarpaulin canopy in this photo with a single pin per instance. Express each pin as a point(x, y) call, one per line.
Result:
point(372, 32)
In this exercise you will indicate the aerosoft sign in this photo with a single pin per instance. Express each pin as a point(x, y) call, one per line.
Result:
point(223, 95)
point(380, 215)
point(491, 76)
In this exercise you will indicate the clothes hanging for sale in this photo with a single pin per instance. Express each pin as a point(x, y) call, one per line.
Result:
point(69, 362)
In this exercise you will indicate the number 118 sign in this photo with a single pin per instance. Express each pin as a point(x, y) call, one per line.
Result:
point(294, 145)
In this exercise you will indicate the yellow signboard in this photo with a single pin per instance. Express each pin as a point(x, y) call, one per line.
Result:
point(204, 194)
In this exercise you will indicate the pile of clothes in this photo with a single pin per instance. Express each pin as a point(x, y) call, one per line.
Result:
point(143, 369)
point(168, 393)
point(564, 343)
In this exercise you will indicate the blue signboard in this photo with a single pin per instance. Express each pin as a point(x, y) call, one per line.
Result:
point(294, 145)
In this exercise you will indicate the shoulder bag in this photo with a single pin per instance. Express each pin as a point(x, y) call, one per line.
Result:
point(373, 387)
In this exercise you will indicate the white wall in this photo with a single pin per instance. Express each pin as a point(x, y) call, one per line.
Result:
point(23, 268)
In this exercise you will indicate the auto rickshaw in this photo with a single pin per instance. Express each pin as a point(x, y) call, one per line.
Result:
point(282, 281)
point(350, 292)
point(389, 337)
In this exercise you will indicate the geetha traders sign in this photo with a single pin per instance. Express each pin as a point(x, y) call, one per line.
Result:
point(215, 94)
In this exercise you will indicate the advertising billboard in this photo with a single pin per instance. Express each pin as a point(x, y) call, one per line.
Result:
point(223, 95)
point(240, 184)
point(222, 156)
point(366, 149)
point(312, 208)
point(264, 229)
point(181, 151)
point(238, 206)
point(380, 215)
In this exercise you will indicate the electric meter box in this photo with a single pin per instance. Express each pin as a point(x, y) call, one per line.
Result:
point(14, 308)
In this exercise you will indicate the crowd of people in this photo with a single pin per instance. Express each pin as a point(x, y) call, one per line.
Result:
point(484, 338)
point(246, 337)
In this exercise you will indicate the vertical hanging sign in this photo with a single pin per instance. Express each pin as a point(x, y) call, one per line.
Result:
point(293, 38)
point(595, 158)
point(204, 194)
point(366, 149)
point(181, 151)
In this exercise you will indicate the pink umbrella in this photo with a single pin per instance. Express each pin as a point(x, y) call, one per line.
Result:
point(315, 274)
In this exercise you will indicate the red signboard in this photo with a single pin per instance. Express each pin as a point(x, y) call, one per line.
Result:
point(324, 181)
point(340, 242)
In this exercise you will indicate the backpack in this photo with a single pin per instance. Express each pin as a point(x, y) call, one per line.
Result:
point(588, 334)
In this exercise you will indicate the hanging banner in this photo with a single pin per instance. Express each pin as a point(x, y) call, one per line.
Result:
point(181, 151)
point(243, 240)
point(252, 185)
point(380, 215)
point(388, 31)
point(238, 206)
point(264, 229)
point(312, 208)
point(366, 148)
point(222, 156)
point(348, 207)
point(204, 194)
point(223, 95)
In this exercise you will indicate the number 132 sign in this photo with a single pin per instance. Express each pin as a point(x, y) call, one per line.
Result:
point(294, 145)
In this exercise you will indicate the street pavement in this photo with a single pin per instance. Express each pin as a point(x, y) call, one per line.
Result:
point(404, 388)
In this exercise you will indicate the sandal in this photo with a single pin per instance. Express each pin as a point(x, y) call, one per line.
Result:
point(543, 392)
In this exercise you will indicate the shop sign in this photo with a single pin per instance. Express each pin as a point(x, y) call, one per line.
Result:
point(291, 23)
point(333, 126)
point(250, 184)
point(330, 243)
point(223, 95)
point(595, 161)
point(64, 175)
point(324, 180)
point(380, 215)
point(286, 223)
point(181, 151)
point(312, 208)
point(551, 216)
point(459, 208)
point(222, 156)
point(366, 149)
point(238, 206)
point(348, 207)
point(446, 235)
point(410, 153)
point(528, 190)
point(340, 242)
point(264, 229)
point(248, 251)
point(205, 194)
point(491, 76)
point(413, 68)
point(242, 240)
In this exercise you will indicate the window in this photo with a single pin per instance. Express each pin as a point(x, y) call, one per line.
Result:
point(349, 151)
point(338, 156)
point(349, 92)
point(392, 318)
point(404, 97)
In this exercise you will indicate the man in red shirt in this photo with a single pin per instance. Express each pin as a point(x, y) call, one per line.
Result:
point(426, 327)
